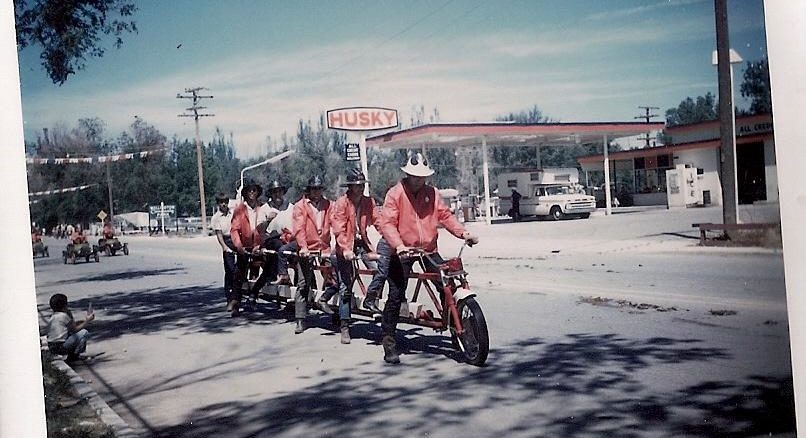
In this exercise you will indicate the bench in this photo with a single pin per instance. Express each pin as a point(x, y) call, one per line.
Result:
point(731, 227)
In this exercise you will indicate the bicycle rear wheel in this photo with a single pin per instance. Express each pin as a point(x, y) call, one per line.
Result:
point(474, 342)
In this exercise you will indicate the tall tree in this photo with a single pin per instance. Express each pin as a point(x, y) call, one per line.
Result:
point(756, 86)
point(69, 31)
point(704, 108)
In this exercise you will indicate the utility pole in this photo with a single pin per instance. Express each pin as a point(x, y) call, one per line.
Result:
point(727, 122)
point(194, 108)
point(648, 117)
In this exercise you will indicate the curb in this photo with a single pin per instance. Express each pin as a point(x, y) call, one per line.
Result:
point(85, 391)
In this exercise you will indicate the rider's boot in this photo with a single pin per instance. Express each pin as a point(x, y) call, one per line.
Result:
point(233, 307)
point(282, 279)
point(371, 304)
point(300, 326)
point(323, 303)
point(345, 332)
point(390, 354)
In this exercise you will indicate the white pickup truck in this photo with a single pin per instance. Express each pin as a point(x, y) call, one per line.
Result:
point(546, 192)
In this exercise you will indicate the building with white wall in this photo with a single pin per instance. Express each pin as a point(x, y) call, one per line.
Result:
point(641, 173)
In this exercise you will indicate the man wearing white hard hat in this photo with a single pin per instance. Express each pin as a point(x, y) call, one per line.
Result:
point(411, 213)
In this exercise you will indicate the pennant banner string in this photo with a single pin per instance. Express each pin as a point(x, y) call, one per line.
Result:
point(66, 190)
point(90, 160)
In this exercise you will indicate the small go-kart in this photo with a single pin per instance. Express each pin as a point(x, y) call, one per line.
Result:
point(40, 249)
point(112, 245)
point(80, 250)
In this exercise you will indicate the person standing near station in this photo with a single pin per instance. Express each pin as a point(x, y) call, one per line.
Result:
point(311, 229)
point(249, 220)
point(411, 214)
point(516, 205)
point(352, 214)
point(221, 223)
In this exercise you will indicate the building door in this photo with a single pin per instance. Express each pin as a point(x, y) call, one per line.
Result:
point(750, 177)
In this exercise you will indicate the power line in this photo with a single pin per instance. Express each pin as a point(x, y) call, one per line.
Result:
point(194, 108)
point(648, 117)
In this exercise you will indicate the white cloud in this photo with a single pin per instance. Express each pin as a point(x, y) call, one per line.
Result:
point(640, 9)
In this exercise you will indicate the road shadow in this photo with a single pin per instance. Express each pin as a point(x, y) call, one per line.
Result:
point(581, 385)
point(190, 309)
point(132, 274)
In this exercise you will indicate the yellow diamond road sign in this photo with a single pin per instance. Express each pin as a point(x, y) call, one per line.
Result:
point(102, 215)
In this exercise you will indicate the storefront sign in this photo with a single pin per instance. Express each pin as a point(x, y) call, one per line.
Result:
point(362, 119)
point(352, 152)
point(755, 128)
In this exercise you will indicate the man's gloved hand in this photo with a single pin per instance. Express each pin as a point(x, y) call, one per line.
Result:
point(349, 255)
point(469, 238)
point(304, 252)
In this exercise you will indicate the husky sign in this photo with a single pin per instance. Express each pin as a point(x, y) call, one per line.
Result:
point(362, 118)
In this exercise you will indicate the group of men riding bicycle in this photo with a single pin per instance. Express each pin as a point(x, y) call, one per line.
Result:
point(408, 220)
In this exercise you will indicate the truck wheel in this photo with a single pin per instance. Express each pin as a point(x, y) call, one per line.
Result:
point(556, 213)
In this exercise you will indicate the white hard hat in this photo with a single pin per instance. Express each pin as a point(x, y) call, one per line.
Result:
point(417, 165)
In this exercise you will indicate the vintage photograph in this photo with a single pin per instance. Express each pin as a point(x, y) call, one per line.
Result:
point(450, 218)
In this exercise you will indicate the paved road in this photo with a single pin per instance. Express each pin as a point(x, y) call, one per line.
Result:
point(615, 325)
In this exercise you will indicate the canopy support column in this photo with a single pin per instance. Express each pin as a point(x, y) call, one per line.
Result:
point(486, 169)
point(362, 151)
point(539, 161)
point(608, 211)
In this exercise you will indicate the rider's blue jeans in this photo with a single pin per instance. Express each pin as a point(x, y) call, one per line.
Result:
point(381, 270)
point(399, 271)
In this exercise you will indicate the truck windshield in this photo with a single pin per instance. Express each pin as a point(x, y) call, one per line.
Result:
point(557, 190)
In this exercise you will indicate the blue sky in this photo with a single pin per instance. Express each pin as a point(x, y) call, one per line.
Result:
point(269, 64)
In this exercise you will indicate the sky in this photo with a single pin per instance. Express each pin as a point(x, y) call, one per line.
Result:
point(269, 64)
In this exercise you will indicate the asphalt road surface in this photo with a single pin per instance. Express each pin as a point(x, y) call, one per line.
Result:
point(613, 326)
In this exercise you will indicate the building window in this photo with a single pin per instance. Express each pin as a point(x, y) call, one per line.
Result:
point(512, 183)
point(664, 161)
point(534, 176)
point(638, 162)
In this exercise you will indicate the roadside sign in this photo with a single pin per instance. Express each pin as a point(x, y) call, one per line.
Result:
point(352, 152)
point(167, 210)
point(102, 215)
point(362, 118)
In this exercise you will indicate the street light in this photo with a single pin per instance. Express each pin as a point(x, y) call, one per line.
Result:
point(271, 160)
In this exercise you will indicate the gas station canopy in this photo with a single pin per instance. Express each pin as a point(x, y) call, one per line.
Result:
point(452, 135)
point(508, 134)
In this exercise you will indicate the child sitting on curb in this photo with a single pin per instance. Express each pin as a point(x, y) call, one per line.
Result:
point(65, 335)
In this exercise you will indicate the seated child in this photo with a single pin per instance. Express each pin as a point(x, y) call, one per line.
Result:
point(65, 335)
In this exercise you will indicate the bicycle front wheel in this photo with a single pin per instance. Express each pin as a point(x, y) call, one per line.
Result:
point(474, 341)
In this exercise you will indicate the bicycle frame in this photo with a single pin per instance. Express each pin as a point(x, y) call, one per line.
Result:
point(451, 274)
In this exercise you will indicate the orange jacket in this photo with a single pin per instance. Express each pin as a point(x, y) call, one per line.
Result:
point(241, 231)
point(344, 222)
point(411, 220)
point(307, 232)
point(78, 237)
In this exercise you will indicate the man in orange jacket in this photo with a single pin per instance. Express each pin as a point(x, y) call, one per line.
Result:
point(311, 229)
point(249, 219)
point(352, 214)
point(411, 213)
